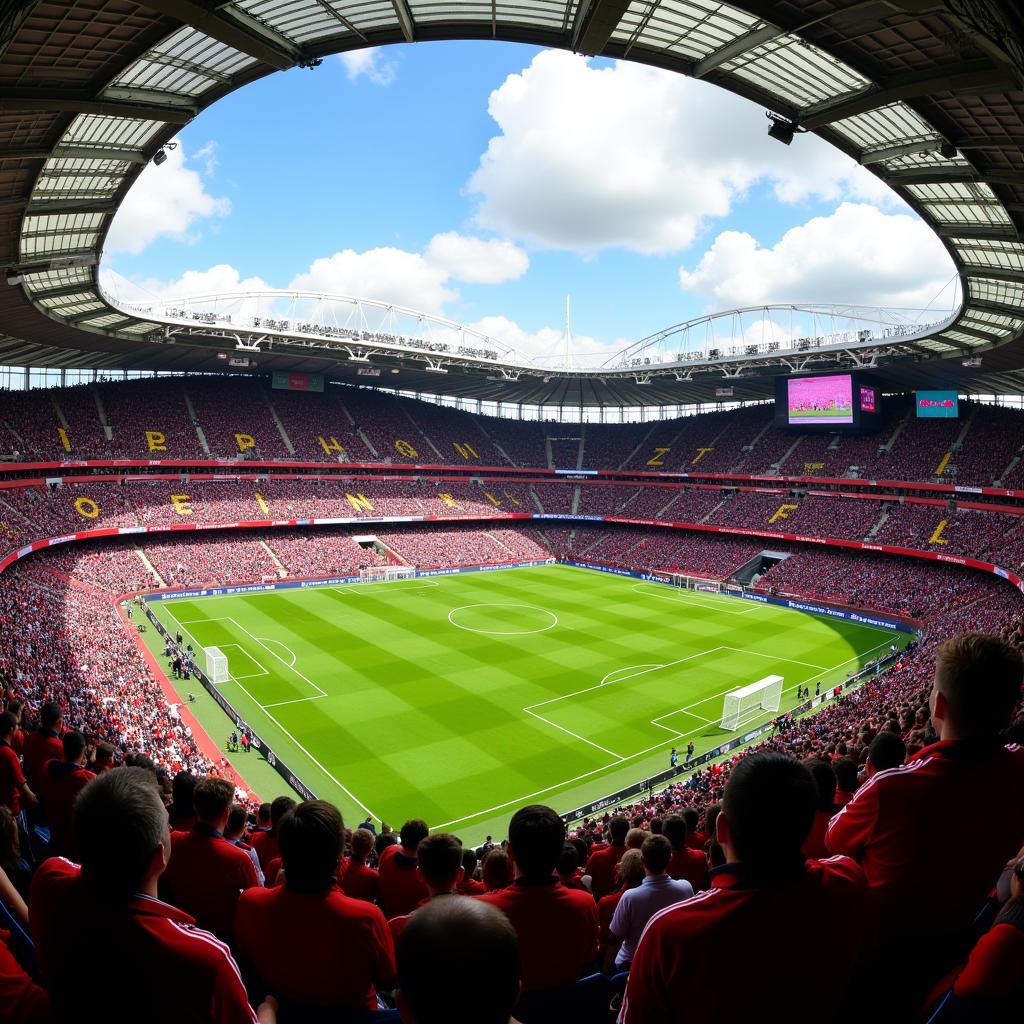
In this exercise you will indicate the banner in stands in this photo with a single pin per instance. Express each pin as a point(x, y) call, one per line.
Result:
point(297, 381)
point(258, 744)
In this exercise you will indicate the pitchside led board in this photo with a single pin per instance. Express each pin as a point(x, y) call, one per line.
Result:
point(937, 405)
point(844, 402)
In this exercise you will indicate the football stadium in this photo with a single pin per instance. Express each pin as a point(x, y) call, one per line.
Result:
point(367, 657)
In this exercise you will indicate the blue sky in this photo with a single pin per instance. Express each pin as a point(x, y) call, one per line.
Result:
point(647, 197)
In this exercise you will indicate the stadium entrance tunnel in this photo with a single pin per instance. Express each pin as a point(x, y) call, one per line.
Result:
point(503, 619)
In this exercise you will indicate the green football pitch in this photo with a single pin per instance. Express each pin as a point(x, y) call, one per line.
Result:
point(460, 698)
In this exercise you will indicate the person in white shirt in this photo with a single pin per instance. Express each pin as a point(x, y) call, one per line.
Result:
point(637, 906)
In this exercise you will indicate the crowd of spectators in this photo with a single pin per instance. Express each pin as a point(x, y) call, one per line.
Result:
point(153, 418)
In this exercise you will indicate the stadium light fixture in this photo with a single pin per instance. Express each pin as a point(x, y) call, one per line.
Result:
point(161, 154)
point(782, 128)
point(14, 279)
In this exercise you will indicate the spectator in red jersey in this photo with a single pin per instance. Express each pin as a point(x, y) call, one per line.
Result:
point(685, 966)
point(22, 1001)
point(696, 839)
point(43, 743)
point(897, 824)
point(826, 783)
point(401, 887)
point(846, 780)
point(568, 866)
point(262, 822)
point(306, 941)
point(990, 986)
point(61, 783)
point(637, 906)
point(265, 842)
point(206, 872)
point(470, 885)
point(16, 708)
point(458, 960)
point(439, 863)
point(357, 878)
point(887, 751)
point(182, 811)
point(496, 870)
point(557, 927)
point(601, 864)
point(686, 864)
point(14, 789)
point(234, 833)
point(120, 829)
point(629, 873)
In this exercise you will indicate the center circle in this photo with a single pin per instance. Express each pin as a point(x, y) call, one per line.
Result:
point(503, 619)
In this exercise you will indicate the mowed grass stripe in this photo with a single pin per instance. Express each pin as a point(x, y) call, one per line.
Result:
point(423, 718)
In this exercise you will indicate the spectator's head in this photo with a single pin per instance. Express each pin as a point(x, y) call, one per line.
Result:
point(50, 715)
point(469, 862)
point(692, 816)
point(212, 798)
point(675, 831)
point(263, 815)
point(182, 789)
point(104, 756)
point(235, 827)
point(121, 833)
point(635, 838)
point(8, 724)
point(458, 959)
point(824, 781)
point(656, 853)
point(278, 809)
point(618, 829)
point(535, 835)
point(362, 843)
point(439, 862)
point(630, 870)
point(73, 743)
point(568, 860)
point(656, 826)
point(496, 869)
point(845, 769)
point(887, 750)
point(977, 685)
point(312, 839)
point(413, 832)
point(16, 706)
point(767, 811)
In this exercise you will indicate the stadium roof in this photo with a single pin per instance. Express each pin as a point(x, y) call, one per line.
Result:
point(929, 94)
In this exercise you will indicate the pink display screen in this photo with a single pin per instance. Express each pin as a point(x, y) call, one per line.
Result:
point(821, 400)
point(868, 400)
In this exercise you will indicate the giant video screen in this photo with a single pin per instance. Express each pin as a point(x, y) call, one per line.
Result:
point(820, 401)
point(937, 405)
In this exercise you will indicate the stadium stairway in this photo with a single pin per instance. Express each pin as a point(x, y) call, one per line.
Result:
point(108, 431)
point(150, 567)
point(272, 555)
point(200, 433)
point(643, 441)
point(873, 532)
point(777, 468)
point(289, 447)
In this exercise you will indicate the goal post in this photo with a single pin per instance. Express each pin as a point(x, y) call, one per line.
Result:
point(386, 573)
point(216, 665)
point(746, 703)
point(684, 582)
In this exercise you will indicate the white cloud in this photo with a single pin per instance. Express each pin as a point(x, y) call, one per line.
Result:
point(548, 344)
point(420, 280)
point(477, 260)
point(220, 278)
point(858, 254)
point(637, 157)
point(165, 202)
point(370, 64)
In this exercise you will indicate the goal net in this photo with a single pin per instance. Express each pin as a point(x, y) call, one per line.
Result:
point(386, 573)
point(678, 579)
point(745, 704)
point(216, 665)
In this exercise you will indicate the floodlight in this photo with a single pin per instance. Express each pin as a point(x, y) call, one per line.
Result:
point(782, 128)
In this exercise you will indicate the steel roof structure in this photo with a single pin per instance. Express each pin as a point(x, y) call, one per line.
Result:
point(929, 94)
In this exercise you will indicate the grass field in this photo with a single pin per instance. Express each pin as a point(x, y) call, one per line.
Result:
point(459, 698)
